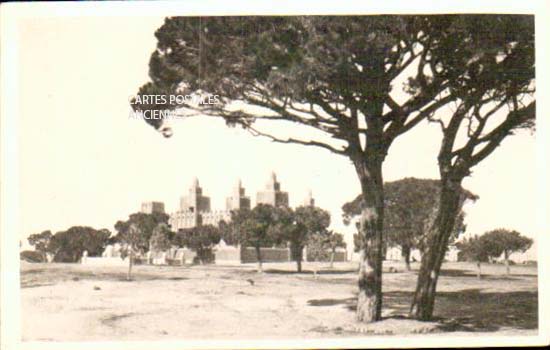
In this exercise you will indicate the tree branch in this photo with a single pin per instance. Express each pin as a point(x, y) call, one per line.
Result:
point(330, 148)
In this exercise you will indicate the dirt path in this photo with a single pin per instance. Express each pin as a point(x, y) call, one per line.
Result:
point(80, 303)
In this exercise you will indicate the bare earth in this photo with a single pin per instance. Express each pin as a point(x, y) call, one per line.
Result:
point(71, 302)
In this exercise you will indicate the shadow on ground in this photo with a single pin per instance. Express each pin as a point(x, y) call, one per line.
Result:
point(466, 310)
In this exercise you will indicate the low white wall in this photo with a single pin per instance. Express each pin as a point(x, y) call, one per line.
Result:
point(100, 261)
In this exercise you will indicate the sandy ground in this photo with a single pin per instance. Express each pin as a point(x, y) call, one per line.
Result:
point(69, 302)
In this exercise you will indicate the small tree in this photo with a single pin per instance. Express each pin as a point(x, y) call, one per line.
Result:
point(161, 238)
point(253, 227)
point(31, 256)
point(309, 221)
point(201, 240)
point(317, 248)
point(135, 234)
point(474, 249)
point(229, 232)
point(146, 224)
point(334, 240)
point(503, 241)
point(40, 242)
point(133, 240)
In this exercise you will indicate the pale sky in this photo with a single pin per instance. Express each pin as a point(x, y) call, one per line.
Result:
point(82, 161)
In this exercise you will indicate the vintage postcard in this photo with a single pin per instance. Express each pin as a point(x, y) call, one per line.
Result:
point(274, 175)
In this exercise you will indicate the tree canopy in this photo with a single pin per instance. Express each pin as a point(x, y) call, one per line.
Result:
point(266, 225)
point(200, 239)
point(254, 226)
point(475, 249)
point(503, 241)
point(145, 225)
point(358, 81)
point(327, 73)
point(40, 242)
point(68, 246)
point(308, 221)
point(161, 239)
point(409, 207)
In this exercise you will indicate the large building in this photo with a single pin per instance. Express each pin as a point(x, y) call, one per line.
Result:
point(237, 200)
point(309, 201)
point(152, 207)
point(272, 194)
point(195, 209)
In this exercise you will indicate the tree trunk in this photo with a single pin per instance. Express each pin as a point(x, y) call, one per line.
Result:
point(130, 263)
point(437, 241)
point(369, 301)
point(332, 253)
point(507, 262)
point(406, 254)
point(259, 257)
point(479, 270)
point(298, 253)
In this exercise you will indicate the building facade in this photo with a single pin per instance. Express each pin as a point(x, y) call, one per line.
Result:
point(272, 194)
point(309, 201)
point(195, 208)
point(237, 200)
point(152, 207)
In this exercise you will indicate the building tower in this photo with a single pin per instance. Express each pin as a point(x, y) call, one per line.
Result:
point(195, 201)
point(237, 200)
point(191, 209)
point(152, 207)
point(309, 201)
point(272, 194)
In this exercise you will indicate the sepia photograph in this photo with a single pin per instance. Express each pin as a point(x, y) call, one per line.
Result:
point(248, 176)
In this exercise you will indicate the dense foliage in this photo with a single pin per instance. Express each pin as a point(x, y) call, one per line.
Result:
point(200, 239)
point(68, 246)
point(145, 225)
point(409, 205)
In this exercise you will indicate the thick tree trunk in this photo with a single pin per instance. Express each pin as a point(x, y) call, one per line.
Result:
point(479, 270)
point(332, 253)
point(259, 258)
point(369, 301)
point(437, 241)
point(406, 254)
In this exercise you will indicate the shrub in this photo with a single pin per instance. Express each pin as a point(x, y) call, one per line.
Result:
point(32, 256)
